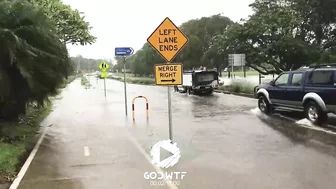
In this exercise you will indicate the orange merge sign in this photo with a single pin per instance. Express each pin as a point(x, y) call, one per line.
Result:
point(167, 40)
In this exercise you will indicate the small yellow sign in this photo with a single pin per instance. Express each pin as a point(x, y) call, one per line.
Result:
point(103, 66)
point(168, 74)
point(168, 40)
point(103, 74)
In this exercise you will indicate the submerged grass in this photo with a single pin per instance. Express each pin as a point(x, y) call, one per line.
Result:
point(137, 80)
point(239, 87)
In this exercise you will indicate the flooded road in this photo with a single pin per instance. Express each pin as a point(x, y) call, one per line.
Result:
point(224, 143)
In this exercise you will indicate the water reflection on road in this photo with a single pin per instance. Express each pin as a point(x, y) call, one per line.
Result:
point(223, 143)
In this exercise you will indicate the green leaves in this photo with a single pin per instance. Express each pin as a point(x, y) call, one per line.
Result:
point(33, 55)
point(70, 24)
point(195, 54)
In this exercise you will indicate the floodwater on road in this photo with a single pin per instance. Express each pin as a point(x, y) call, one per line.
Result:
point(252, 80)
point(223, 141)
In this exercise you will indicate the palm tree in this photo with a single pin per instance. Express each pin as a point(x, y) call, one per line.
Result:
point(33, 59)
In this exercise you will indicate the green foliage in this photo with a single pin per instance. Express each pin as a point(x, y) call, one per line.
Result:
point(195, 54)
point(17, 138)
point(33, 55)
point(280, 35)
point(88, 64)
point(70, 24)
point(136, 80)
point(239, 87)
point(85, 81)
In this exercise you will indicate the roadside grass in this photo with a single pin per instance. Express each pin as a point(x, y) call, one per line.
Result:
point(239, 87)
point(70, 79)
point(241, 73)
point(85, 82)
point(235, 87)
point(135, 80)
point(18, 139)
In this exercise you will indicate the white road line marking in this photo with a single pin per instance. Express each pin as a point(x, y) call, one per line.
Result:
point(30, 158)
point(86, 151)
point(157, 169)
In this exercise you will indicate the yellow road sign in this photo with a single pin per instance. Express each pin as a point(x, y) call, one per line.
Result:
point(167, 40)
point(168, 74)
point(103, 66)
point(103, 74)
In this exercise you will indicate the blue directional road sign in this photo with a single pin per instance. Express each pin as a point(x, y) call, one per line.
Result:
point(123, 51)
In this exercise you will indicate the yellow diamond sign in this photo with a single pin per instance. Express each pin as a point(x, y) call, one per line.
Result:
point(167, 40)
point(103, 66)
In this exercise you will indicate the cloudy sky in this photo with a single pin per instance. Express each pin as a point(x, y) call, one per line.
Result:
point(130, 22)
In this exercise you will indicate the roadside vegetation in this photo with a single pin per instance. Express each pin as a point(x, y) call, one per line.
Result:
point(34, 65)
point(135, 80)
point(241, 73)
point(238, 87)
point(84, 81)
point(279, 36)
point(18, 139)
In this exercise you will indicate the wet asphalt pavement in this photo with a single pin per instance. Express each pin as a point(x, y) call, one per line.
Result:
point(225, 143)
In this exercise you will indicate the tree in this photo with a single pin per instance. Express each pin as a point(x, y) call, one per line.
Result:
point(33, 56)
point(70, 24)
point(197, 52)
point(272, 36)
point(200, 50)
point(88, 64)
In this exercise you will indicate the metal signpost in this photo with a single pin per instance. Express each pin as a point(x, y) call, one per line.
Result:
point(237, 60)
point(124, 51)
point(168, 40)
point(103, 67)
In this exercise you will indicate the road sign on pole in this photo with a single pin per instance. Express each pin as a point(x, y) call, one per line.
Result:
point(123, 51)
point(103, 66)
point(168, 40)
point(103, 74)
point(125, 93)
point(168, 74)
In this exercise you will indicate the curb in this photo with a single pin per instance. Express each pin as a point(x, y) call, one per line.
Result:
point(15, 184)
point(237, 94)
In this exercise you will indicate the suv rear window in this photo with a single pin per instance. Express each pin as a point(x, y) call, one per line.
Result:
point(321, 77)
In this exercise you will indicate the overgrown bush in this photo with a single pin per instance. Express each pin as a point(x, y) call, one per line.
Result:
point(136, 80)
point(239, 87)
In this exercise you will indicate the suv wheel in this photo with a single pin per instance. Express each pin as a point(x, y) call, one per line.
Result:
point(315, 114)
point(264, 105)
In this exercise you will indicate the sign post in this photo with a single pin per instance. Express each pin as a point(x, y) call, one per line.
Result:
point(168, 40)
point(125, 85)
point(103, 67)
point(124, 51)
point(237, 60)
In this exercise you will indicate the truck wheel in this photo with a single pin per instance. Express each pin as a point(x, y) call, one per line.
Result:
point(189, 91)
point(315, 114)
point(184, 90)
point(264, 105)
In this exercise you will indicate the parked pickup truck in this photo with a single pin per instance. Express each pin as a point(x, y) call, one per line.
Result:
point(312, 90)
point(198, 82)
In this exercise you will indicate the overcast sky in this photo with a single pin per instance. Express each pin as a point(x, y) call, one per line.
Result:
point(129, 23)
